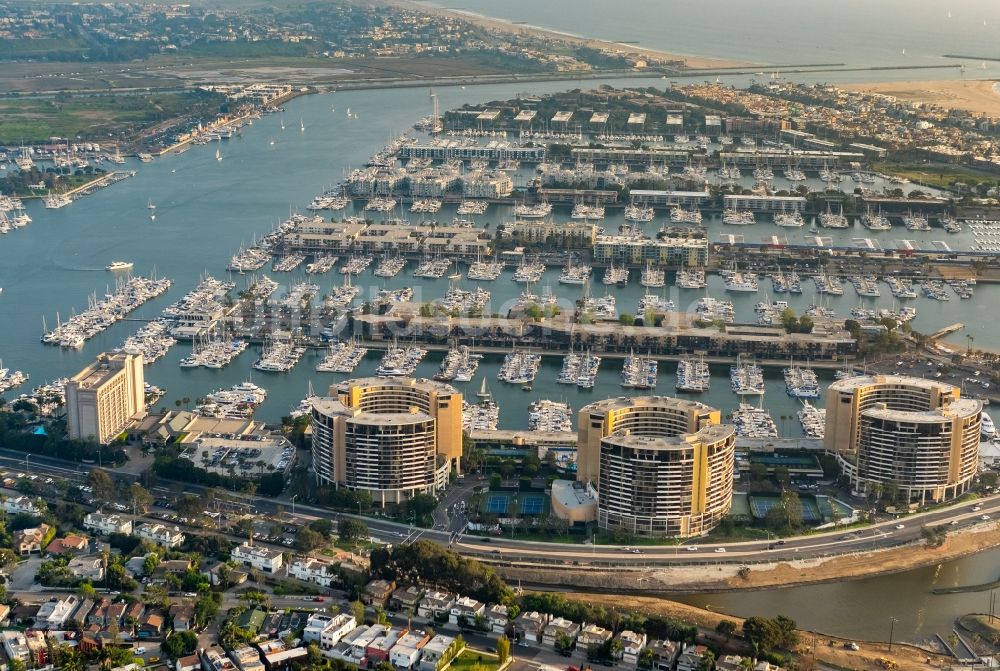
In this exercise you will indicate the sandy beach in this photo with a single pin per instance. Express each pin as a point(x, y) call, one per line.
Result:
point(694, 62)
point(973, 95)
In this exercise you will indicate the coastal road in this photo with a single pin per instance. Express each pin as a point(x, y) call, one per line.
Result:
point(513, 551)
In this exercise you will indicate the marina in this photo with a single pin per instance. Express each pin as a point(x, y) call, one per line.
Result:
point(579, 369)
point(400, 361)
point(746, 378)
point(639, 372)
point(754, 422)
point(693, 376)
point(129, 295)
point(812, 420)
point(279, 356)
point(801, 382)
point(342, 357)
point(519, 368)
point(459, 365)
point(548, 416)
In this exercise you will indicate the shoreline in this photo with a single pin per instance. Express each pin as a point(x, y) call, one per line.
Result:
point(823, 647)
point(503, 25)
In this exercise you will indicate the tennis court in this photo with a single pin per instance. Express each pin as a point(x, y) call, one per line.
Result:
point(498, 504)
point(760, 506)
point(532, 504)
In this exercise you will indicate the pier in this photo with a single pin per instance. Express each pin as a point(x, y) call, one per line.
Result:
point(947, 330)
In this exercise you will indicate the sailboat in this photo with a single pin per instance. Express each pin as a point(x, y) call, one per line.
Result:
point(151, 205)
point(302, 125)
point(484, 391)
point(272, 142)
point(282, 124)
point(218, 155)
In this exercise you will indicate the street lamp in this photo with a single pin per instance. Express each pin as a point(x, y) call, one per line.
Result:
point(892, 625)
point(295, 496)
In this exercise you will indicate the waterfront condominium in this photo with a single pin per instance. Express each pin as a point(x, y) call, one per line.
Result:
point(105, 398)
point(391, 437)
point(915, 437)
point(661, 466)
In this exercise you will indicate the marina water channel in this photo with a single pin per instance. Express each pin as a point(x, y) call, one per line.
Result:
point(207, 207)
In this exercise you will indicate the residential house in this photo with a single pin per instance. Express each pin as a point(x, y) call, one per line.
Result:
point(313, 570)
point(252, 619)
point(174, 566)
point(116, 614)
point(378, 650)
point(497, 616)
point(133, 615)
point(406, 653)
point(466, 609)
point(160, 534)
point(406, 599)
point(691, 657)
point(27, 541)
point(328, 630)
point(99, 615)
point(729, 663)
point(189, 663)
point(152, 625)
point(361, 640)
point(22, 505)
point(434, 652)
point(71, 543)
point(106, 525)
point(29, 646)
point(278, 657)
point(87, 568)
point(530, 626)
point(665, 653)
point(763, 665)
point(377, 593)
point(436, 604)
point(258, 557)
point(55, 612)
point(558, 626)
point(181, 616)
point(214, 659)
point(632, 644)
point(78, 618)
point(247, 659)
point(591, 634)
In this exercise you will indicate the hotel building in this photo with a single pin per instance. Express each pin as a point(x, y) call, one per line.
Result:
point(104, 398)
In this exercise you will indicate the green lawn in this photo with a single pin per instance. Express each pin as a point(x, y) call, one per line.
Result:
point(94, 116)
point(940, 176)
point(475, 660)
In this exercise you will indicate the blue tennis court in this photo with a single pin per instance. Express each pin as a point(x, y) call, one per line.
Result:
point(532, 504)
point(497, 504)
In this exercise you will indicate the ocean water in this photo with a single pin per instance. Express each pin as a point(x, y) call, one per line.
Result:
point(778, 32)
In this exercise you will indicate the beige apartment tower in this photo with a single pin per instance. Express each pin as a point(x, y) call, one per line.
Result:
point(391, 437)
point(916, 436)
point(661, 466)
point(104, 398)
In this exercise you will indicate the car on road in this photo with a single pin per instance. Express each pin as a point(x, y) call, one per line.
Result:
point(636, 551)
point(984, 517)
point(692, 548)
point(976, 509)
point(900, 526)
point(720, 549)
